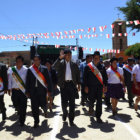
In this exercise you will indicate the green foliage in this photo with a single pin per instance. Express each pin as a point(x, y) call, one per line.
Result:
point(133, 50)
point(132, 12)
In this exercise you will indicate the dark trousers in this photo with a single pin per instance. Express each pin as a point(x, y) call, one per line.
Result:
point(95, 94)
point(84, 96)
point(2, 104)
point(20, 103)
point(38, 99)
point(68, 93)
point(129, 91)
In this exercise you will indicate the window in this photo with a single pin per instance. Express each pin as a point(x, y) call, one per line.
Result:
point(120, 28)
point(121, 44)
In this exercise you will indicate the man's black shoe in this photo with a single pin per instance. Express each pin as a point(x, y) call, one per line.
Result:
point(99, 120)
point(72, 124)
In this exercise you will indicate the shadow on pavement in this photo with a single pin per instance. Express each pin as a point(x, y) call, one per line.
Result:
point(121, 117)
point(71, 132)
point(104, 127)
point(138, 114)
point(16, 130)
point(2, 125)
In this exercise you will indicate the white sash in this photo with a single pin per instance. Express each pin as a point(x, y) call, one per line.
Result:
point(18, 83)
point(37, 76)
point(127, 69)
point(96, 71)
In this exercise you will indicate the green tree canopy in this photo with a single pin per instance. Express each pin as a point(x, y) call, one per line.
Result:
point(133, 50)
point(132, 12)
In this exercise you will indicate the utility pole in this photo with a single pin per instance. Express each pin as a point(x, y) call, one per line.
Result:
point(77, 45)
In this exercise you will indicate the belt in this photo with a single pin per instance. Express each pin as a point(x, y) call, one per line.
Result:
point(16, 89)
point(68, 81)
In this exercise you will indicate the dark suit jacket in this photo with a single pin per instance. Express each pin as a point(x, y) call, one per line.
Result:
point(127, 77)
point(60, 67)
point(31, 81)
point(91, 80)
point(3, 75)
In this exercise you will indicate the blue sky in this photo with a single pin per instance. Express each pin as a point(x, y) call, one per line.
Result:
point(40, 16)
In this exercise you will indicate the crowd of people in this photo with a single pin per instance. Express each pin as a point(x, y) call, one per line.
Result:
point(95, 79)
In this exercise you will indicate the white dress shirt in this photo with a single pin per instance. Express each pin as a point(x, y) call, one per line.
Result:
point(11, 81)
point(68, 75)
point(112, 78)
point(136, 70)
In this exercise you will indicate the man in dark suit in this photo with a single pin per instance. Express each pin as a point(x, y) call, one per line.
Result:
point(68, 79)
point(38, 85)
point(3, 89)
point(129, 80)
point(95, 78)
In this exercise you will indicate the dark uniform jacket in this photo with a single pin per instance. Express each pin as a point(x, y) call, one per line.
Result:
point(91, 80)
point(127, 77)
point(60, 67)
point(3, 75)
point(31, 81)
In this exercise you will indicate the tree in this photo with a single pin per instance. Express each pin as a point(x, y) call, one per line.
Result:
point(132, 12)
point(133, 50)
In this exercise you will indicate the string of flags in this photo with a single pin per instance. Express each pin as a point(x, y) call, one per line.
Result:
point(91, 49)
point(71, 33)
point(81, 36)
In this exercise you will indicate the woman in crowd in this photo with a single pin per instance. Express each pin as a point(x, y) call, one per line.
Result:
point(115, 84)
point(136, 83)
point(53, 76)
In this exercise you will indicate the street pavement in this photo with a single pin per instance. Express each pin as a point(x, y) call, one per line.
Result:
point(124, 126)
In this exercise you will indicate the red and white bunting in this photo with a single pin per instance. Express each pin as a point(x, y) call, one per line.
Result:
point(120, 23)
point(66, 32)
point(89, 29)
point(108, 50)
point(112, 26)
point(119, 34)
point(90, 49)
point(107, 36)
point(125, 34)
point(137, 22)
point(57, 46)
point(131, 22)
point(101, 28)
point(114, 51)
point(80, 36)
point(113, 35)
point(94, 29)
point(103, 50)
point(118, 51)
point(75, 48)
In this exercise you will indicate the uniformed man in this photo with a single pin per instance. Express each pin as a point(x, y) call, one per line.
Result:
point(128, 78)
point(16, 85)
point(95, 79)
point(38, 85)
point(3, 89)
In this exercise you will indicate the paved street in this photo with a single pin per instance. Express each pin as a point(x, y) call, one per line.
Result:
point(125, 126)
